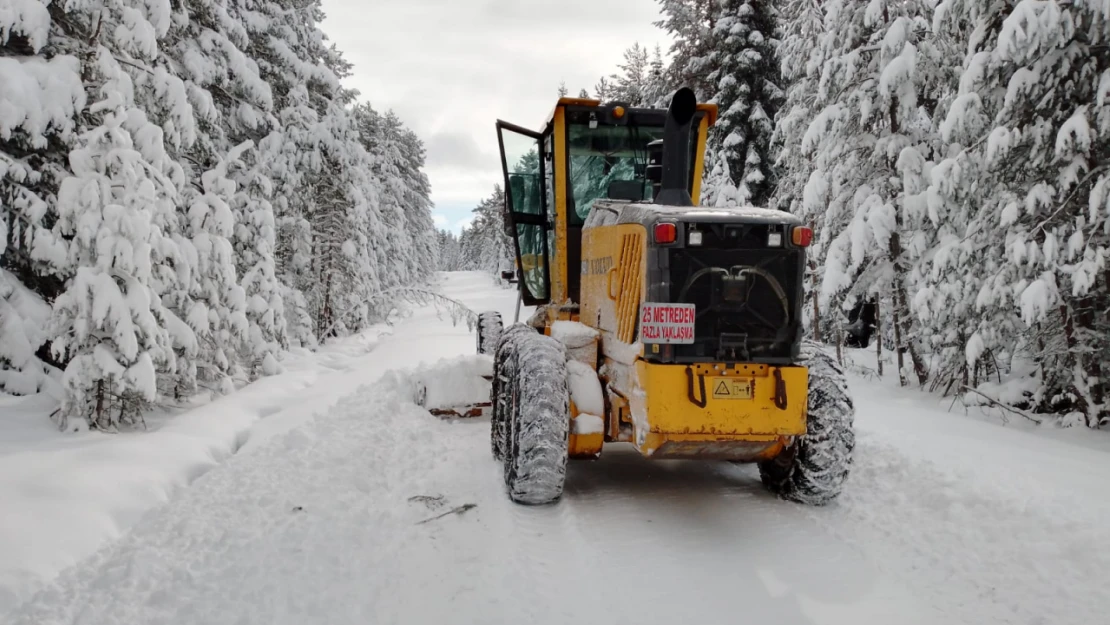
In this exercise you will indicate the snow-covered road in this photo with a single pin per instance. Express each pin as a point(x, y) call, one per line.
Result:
point(947, 519)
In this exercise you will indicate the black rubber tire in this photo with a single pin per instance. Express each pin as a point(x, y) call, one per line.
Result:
point(500, 388)
point(814, 469)
point(538, 432)
point(489, 329)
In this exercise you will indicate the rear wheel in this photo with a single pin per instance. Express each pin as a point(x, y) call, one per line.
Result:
point(815, 467)
point(489, 331)
point(538, 424)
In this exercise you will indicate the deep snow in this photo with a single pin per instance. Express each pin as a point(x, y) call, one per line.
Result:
point(946, 519)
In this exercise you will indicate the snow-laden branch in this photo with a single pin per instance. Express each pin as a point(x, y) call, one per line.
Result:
point(458, 310)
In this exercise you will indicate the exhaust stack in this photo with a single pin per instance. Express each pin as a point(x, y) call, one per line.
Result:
point(675, 157)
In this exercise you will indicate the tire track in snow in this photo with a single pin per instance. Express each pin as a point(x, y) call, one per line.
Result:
point(982, 554)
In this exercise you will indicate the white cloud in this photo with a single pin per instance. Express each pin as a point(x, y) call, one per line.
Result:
point(463, 223)
point(450, 69)
point(439, 221)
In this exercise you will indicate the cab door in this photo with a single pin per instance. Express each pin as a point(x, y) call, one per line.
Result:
point(526, 209)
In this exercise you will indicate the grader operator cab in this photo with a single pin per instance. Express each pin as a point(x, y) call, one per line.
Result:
point(672, 327)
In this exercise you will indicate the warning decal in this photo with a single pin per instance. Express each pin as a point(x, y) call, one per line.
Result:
point(731, 388)
point(667, 323)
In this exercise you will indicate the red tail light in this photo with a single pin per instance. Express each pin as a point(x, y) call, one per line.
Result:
point(802, 236)
point(666, 233)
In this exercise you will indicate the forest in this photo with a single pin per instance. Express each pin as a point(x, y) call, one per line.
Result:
point(186, 192)
point(952, 157)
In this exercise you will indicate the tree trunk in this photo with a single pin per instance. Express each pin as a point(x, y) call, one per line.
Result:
point(325, 312)
point(898, 350)
point(99, 401)
point(1088, 391)
point(816, 304)
point(963, 341)
point(879, 335)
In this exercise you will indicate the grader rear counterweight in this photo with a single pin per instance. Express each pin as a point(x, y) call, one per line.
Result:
point(664, 325)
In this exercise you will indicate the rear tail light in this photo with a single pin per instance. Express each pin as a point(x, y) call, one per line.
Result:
point(666, 233)
point(802, 236)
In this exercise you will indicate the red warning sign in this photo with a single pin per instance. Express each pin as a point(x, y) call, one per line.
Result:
point(667, 323)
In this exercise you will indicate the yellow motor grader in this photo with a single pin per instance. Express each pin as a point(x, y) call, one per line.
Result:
point(661, 324)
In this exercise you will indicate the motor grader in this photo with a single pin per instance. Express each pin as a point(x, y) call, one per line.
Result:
point(661, 324)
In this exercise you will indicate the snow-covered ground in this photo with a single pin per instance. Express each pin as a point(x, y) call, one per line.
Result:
point(947, 518)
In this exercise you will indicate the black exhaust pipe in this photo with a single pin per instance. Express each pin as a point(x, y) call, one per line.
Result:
point(675, 178)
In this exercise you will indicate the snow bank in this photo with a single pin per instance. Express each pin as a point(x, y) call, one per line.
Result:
point(452, 383)
point(65, 495)
point(963, 510)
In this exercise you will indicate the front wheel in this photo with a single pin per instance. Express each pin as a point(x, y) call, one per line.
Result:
point(538, 432)
point(815, 467)
point(490, 327)
point(504, 364)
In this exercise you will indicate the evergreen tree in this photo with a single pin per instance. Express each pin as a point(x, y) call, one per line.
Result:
point(692, 24)
point(870, 145)
point(107, 323)
point(634, 82)
point(212, 206)
point(748, 97)
point(1026, 182)
point(254, 240)
point(417, 204)
point(449, 251)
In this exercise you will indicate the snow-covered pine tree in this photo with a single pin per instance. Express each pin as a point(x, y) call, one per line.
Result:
point(449, 252)
point(870, 145)
point(346, 271)
point(633, 84)
point(180, 238)
point(497, 253)
point(1029, 173)
point(109, 323)
point(486, 245)
point(603, 90)
point(41, 96)
point(692, 26)
point(218, 315)
point(417, 202)
point(800, 63)
point(746, 81)
point(285, 42)
point(254, 242)
point(289, 158)
point(381, 136)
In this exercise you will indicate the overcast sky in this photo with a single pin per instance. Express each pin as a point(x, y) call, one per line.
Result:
point(450, 68)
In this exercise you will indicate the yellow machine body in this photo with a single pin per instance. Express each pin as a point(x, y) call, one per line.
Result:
point(597, 276)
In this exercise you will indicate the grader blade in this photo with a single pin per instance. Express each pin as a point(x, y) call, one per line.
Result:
point(461, 391)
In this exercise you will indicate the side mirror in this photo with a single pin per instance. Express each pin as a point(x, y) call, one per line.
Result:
point(509, 276)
